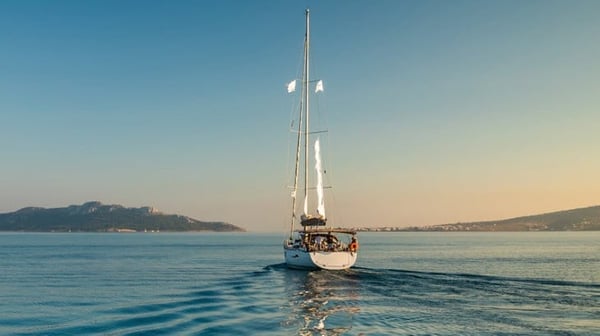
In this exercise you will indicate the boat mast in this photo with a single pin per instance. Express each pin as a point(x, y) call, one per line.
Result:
point(306, 106)
point(303, 105)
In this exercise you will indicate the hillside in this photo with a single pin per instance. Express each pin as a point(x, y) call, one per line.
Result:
point(98, 217)
point(582, 219)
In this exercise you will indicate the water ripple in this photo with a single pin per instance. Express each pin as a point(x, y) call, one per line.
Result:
point(199, 298)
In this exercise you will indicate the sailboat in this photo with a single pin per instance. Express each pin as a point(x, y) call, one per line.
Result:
point(312, 243)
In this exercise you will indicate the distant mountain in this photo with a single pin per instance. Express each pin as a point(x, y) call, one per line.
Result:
point(98, 217)
point(582, 219)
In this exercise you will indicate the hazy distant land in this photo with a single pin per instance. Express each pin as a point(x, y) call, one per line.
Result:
point(582, 219)
point(98, 217)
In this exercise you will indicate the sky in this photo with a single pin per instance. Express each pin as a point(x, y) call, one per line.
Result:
point(437, 111)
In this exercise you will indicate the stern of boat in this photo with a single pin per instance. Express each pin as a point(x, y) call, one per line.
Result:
point(333, 260)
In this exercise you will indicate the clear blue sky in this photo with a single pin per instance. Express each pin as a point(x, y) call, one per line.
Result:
point(438, 111)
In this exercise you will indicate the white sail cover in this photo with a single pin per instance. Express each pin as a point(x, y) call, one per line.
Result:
point(305, 205)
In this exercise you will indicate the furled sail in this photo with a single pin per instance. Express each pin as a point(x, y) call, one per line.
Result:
point(319, 168)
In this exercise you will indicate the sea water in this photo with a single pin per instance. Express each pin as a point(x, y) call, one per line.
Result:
point(543, 283)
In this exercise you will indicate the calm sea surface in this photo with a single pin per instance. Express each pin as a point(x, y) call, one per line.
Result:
point(236, 284)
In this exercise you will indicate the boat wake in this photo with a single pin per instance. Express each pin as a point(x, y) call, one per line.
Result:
point(275, 300)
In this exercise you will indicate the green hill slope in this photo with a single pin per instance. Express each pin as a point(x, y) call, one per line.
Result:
point(582, 219)
point(97, 217)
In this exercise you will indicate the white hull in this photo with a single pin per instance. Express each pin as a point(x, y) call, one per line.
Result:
point(300, 258)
